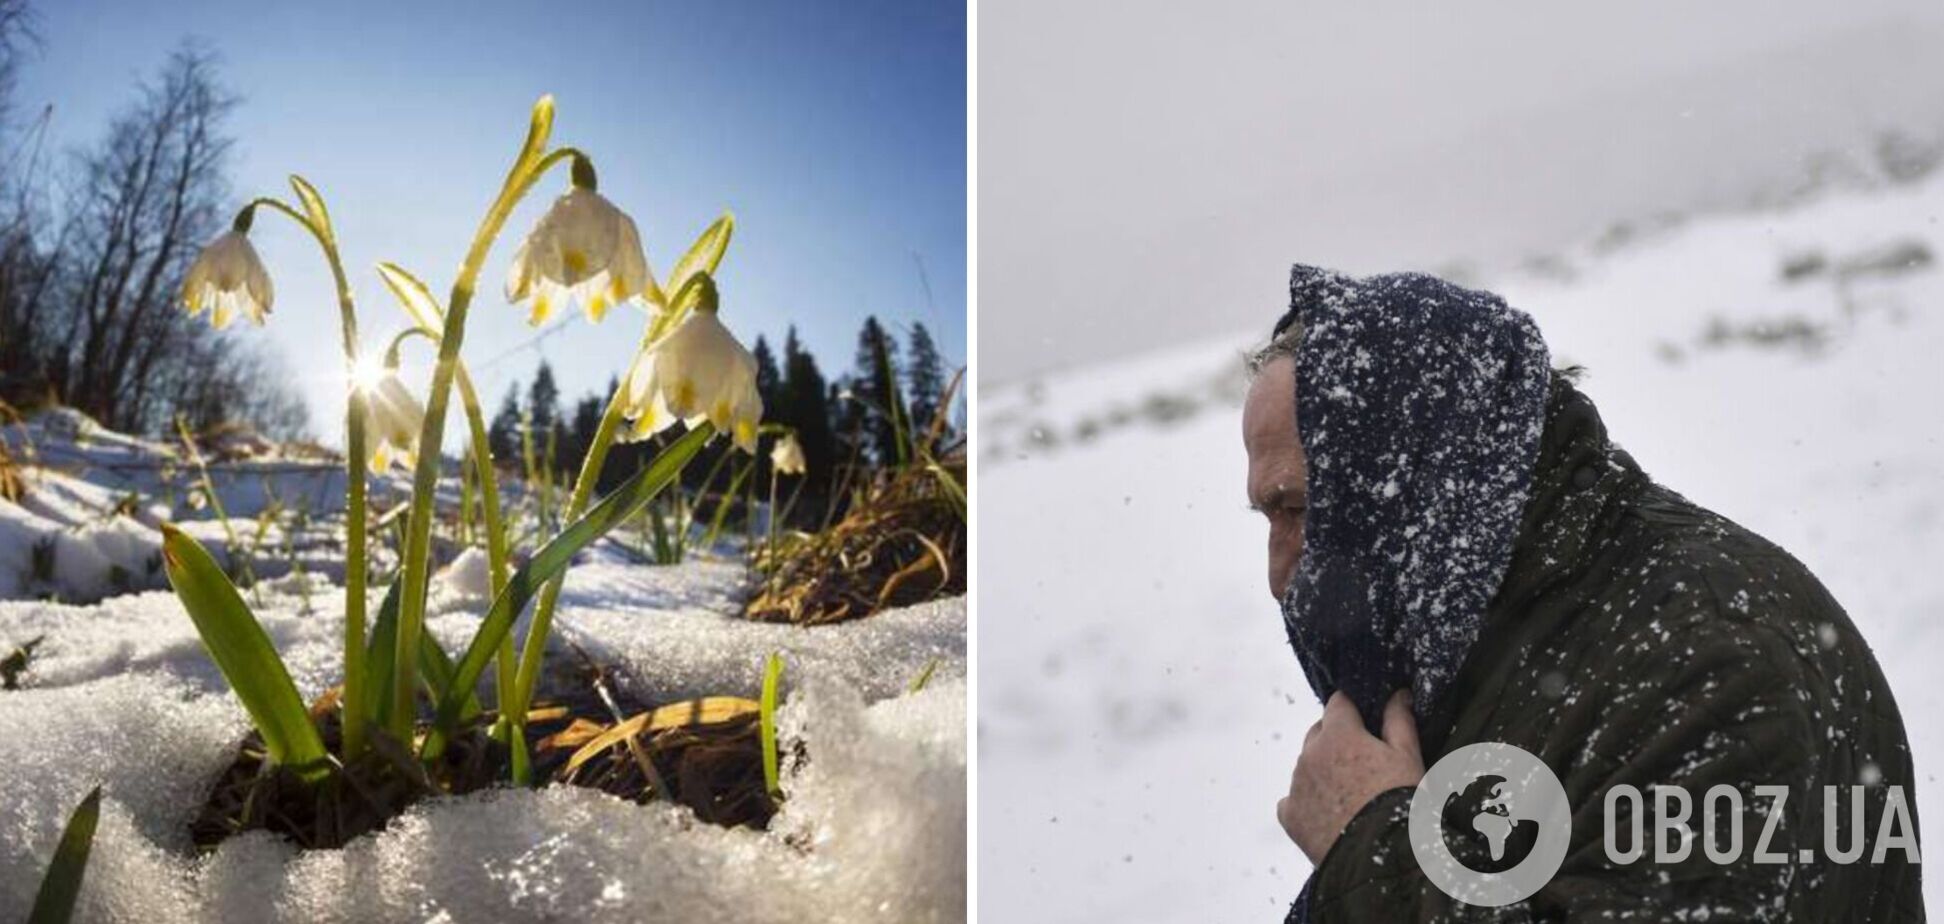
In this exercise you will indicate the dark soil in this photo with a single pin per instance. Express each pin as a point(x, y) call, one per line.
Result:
point(705, 754)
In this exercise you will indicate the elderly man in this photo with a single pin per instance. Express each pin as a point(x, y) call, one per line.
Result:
point(1462, 556)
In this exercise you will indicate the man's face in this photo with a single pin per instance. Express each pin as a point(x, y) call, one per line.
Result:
point(1278, 472)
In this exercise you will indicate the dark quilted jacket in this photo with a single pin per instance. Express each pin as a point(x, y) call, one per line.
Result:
point(1638, 638)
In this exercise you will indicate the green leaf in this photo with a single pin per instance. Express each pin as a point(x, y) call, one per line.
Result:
point(552, 559)
point(242, 651)
point(924, 677)
point(435, 666)
point(313, 206)
point(772, 679)
point(703, 256)
point(381, 651)
point(723, 505)
point(54, 904)
point(436, 669)
point(426, 312)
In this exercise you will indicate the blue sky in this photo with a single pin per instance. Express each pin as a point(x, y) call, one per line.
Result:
point(834, 131)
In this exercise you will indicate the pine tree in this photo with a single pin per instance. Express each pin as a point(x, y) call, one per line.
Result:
point(504, 434)
point(580, 433)
point(804, 405)
point(543, 402)
point(875, 386)
point(769, 382)
point(543, 415)
point(926, 379)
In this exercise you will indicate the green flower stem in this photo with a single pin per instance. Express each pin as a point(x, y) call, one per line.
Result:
point(496, 557)
point(534, 650)
point(769, 550)
point(357, 464)
point(535, 647)
point(527, 170)
point(482, 455)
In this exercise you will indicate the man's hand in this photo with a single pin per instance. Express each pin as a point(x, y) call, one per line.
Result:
point(1343, 767)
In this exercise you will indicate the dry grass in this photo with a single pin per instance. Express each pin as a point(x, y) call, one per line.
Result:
point(705, 754)
point(902, 542)
point(13, 483)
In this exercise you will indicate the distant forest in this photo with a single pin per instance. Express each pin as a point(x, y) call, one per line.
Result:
point(846, 424)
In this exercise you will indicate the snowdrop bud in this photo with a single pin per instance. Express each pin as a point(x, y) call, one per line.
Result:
point(584, 249)
point(697, 372)
point(228, 278)
point(787, 457)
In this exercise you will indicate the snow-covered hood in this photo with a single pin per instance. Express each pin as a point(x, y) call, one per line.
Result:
point(1420, 405)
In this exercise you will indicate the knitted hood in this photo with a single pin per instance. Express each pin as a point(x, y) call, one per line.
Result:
point(1420, 406)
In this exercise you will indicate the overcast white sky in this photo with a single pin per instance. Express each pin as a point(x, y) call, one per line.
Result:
point(1149, 169)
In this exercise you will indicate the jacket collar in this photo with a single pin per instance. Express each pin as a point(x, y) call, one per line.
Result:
point(1579, 476)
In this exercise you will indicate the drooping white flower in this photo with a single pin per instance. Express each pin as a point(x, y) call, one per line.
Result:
point(228, 279)
point(787, 457)
point(697, 372)
point(392, 417)
point(584, 249)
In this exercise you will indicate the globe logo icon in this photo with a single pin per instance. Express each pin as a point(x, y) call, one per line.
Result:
point(1481, 813)
point(1490, 824)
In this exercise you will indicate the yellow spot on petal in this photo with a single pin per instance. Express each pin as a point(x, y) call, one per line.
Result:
point(542, 309)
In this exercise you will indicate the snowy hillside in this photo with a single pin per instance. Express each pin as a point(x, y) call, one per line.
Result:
point(1139, 707)
point(85, 525)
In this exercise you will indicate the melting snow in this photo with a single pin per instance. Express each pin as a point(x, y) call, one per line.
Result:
point(122, 694)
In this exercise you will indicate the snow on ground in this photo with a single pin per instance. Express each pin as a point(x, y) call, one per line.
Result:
point(1140, 710)
point(121, 693)
point(86, 526)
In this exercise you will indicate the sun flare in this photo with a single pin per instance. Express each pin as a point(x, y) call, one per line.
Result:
point(366, 373)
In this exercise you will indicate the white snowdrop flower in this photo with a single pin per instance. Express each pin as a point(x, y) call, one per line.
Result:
point(228, 278)
point(787, 457)
point(392, 416)
point(584, 249)
point(697, 372)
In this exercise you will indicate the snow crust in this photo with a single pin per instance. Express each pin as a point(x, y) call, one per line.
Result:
point(94, 498)
point(121, 693)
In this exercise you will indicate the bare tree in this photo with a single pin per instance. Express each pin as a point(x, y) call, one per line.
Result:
point(143, 204)
point(17, 34)
point(89, 291)
point(24, 269)
point(106, 330)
